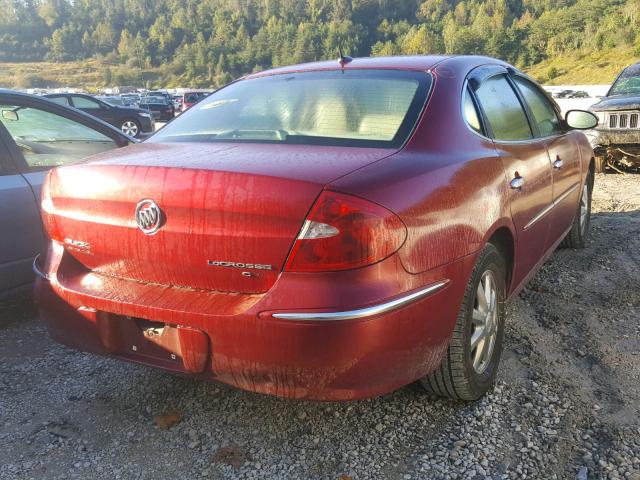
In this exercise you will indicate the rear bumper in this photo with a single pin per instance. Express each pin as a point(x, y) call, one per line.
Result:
point(164, 116)
point(147, 125)
point(238, 340)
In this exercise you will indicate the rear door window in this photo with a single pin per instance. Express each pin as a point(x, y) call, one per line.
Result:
point(82, 102)
point(471, 113)
point(61, 101)
point(544, 115)
point(503, 110)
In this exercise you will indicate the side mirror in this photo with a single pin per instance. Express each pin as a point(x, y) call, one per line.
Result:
point(10, 115)
point(581, 120)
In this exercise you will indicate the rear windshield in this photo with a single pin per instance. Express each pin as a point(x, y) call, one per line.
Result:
point(153, 100)
point(363, 108)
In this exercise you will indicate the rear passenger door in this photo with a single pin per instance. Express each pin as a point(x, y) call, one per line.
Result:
point(563, 153)
point(525, 160)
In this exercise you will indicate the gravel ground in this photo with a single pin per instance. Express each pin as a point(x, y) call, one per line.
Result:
point(567, 404)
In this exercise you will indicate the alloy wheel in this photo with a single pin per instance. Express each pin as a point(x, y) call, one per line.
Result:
point(130, 128)
point(484, 322)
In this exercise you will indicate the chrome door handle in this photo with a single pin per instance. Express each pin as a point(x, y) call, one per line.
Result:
point(558, 163)
point(516, 183)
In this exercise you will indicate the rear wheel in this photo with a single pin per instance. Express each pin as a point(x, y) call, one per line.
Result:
point(471, 362)
point(130, 127)
point(577, 236)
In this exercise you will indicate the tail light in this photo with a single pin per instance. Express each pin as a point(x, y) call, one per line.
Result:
point(48, 217)
point(344, 232)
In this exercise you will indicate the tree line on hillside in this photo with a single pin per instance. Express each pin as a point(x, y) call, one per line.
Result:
point(209, 42)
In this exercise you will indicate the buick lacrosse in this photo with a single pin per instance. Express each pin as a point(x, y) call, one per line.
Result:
point(329, 231)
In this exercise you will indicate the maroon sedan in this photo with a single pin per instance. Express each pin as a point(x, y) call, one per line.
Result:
point(328, 231)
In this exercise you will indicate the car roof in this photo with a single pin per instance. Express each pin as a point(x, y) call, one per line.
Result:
point(634, 68)
point(408, 62)
point(416, 62)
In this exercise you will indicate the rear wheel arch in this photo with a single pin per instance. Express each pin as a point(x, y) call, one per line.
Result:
point(502, 238)
point(579, 231)
point(460, 376)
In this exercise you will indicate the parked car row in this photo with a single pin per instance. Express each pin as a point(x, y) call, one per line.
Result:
point(130, 120)
point(571, 94)
point(134, 114)
point(330, 231)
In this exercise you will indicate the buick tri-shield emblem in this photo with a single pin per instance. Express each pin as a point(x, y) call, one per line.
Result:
point(148, 216)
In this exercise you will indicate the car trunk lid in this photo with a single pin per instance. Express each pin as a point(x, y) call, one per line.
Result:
point(229, 213)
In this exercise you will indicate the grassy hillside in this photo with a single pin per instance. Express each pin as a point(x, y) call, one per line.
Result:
point(88, 74)
point(599, 67)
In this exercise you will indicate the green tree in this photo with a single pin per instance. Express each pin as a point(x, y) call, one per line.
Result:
point(53, 12)
point(64, 44)
point(126, 47)
point(104, 37)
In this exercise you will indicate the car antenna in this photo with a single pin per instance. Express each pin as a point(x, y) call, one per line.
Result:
point(343, 59)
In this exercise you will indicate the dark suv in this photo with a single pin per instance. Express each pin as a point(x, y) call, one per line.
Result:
point(616, 140)
point(132, 121)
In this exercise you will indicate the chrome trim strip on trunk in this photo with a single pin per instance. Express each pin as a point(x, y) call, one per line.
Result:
point(538, 217)
point(364, 312)
point(37, 270)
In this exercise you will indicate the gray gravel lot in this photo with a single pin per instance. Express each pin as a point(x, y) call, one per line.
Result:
point(567, 404)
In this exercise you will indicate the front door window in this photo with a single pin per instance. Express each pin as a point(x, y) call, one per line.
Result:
point(49, 140)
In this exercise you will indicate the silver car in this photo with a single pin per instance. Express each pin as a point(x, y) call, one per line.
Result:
point(36, 135)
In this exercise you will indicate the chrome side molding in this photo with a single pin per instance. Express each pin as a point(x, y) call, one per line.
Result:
point(367, 311)
point(547, 209)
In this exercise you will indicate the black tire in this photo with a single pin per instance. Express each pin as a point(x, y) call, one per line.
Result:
point(577, 236)
point(456, 377)
point(128, 124)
